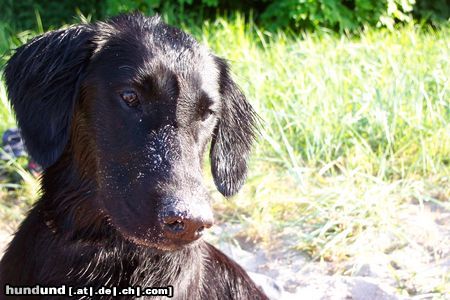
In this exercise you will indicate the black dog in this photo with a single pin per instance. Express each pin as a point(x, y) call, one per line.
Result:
point(119, 114)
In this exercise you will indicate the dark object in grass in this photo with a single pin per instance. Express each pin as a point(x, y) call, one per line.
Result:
point(12, 144)
point(119, 114)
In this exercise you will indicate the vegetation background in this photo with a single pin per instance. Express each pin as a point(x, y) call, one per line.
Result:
point(353, 157)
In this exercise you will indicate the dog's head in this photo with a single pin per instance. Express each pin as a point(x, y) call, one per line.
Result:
point(133, 103)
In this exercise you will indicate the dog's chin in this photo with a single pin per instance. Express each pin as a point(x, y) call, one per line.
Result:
point(161, 245)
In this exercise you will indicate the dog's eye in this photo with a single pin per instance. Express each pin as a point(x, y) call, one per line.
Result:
point(130, 98)
point(206, 114)
point(204, 107)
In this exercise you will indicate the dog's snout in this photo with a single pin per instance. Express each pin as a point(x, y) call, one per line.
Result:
point(182, 227)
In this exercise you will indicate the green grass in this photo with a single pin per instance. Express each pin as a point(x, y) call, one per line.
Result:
point(378, 103)
point(353, 130)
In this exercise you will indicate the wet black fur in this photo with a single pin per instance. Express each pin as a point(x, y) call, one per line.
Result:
point(72, 236)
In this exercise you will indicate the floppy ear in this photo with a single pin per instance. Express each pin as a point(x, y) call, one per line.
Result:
point(233, 135)
point(42, 79)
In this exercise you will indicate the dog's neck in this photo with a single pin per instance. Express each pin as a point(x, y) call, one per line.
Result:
point(125, 264)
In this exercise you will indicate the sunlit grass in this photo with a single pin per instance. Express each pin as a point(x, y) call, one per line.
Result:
point(6, 116)
point(378, 103)
point(19, 189)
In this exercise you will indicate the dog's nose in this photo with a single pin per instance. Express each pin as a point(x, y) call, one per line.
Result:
point(180, 227)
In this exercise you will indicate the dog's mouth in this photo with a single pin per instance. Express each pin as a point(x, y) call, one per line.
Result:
point(156, 238)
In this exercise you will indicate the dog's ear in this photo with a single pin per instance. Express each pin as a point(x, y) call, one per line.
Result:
point(233, 135)
point(43, 78)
